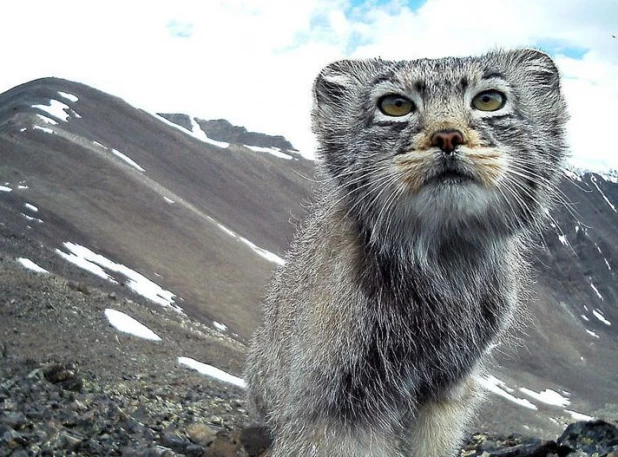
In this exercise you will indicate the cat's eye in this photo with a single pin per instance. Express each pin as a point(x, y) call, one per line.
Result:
point(489, 100)
point(395, 105)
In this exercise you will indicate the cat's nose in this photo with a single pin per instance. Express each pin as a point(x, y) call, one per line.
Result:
point(447, 140)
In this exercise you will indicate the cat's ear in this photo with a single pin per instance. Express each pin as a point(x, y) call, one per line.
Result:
point(536, 68)
point(339, 79)
point(336, 88)
point(334, 82)
point(540, 95)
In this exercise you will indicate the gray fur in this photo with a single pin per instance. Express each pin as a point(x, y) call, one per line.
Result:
point(397, 285)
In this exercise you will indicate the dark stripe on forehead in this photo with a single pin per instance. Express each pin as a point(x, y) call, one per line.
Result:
point(384, 77)
point(381, 79)
point(493, 74)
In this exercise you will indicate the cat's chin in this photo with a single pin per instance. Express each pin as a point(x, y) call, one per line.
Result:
point(450, 201)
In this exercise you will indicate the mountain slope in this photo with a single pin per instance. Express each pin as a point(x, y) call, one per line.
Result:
point(158, 210)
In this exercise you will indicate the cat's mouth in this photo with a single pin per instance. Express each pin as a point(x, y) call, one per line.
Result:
point(450, 177)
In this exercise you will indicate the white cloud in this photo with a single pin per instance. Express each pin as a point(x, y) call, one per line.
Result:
point(253, 62)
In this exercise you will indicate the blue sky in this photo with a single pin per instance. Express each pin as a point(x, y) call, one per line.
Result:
point(236, 59)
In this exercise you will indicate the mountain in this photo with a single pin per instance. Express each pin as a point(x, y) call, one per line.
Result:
point(183, 220)
point(190, 214)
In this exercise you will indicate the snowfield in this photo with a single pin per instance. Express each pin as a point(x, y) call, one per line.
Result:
point(98, 264)
point(211, 371)
point(126, 324)
point(30, 265)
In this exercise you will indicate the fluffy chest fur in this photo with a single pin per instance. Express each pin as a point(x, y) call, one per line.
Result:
point(399, 332)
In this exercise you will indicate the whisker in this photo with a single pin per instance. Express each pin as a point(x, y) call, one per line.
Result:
point(556, 192)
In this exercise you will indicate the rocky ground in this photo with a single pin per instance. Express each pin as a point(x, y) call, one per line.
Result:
point(72, 385)
point(57, 410)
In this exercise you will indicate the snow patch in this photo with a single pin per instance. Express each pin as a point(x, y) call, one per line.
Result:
point(272, 151)
point(563, 239)
point(500, 388)
point(227, 230)
point(68, 96)
point(596, 290)
point(594, 181)
point(591, 333)
point(30, 265)
point(56, 109)
point(125, 323)
point(585, 318)
point(211, 371)
point(44, 129)
point(197, 135)
point(578, 416)
point(547, 396)
point(263, 252)
point(258, 250)
point(572, 175)
point(31, 207)
point(5, 189)
point(97, 264)
point(600, 317)
point(219, 326)
point(169, 200)
point(32, 219)
point(611, 176)
point(47, 120)
point(127, 160)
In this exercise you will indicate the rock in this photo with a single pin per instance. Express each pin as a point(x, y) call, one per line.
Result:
point(256, 440)
point(79, 286)
point(13, 420)
point(194, 450)
point(216, 420)
point(153, 451)
point(592, 437)
point(481, 445)
point(65, 375)
point(201, 434)
point(174, 441)
point(69, 441)
point(225, 445)
point(19, 453)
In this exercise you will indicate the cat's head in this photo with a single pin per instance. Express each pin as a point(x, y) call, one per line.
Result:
point(443, 146)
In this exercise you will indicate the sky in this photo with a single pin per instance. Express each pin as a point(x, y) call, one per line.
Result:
point(253, 62)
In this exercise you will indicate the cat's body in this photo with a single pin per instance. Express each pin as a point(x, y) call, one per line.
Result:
point(411, 265)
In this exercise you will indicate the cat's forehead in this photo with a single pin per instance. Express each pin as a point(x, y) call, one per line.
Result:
point(446, 72)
